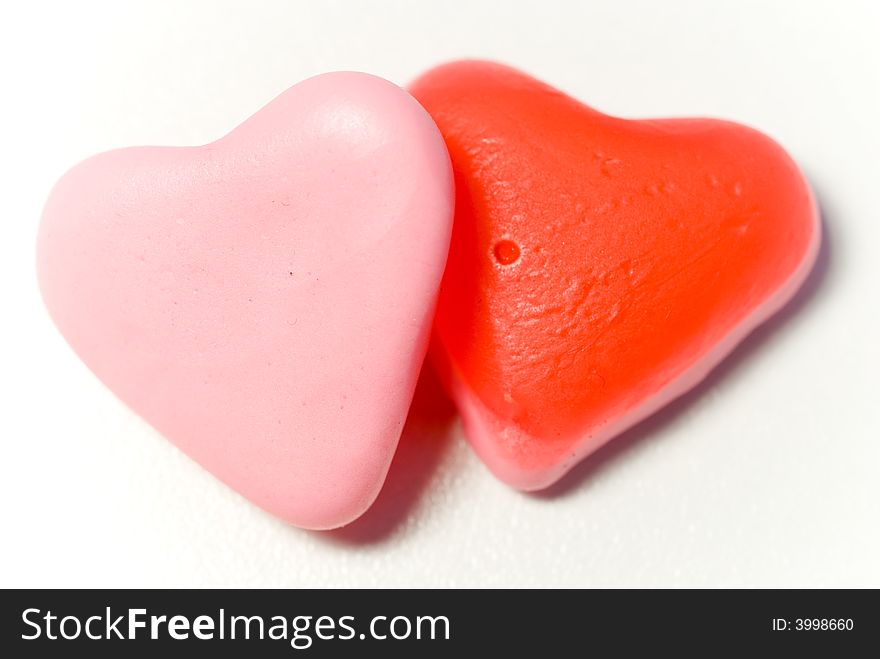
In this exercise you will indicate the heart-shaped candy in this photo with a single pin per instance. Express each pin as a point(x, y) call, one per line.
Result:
point(264, 301)
point(599, 267)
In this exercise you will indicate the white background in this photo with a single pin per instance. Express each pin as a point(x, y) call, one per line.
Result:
point(769, 475)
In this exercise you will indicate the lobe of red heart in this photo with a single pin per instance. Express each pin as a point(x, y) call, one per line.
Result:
point(594, 259)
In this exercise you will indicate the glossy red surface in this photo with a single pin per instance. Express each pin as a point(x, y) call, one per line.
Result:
point(594, 259)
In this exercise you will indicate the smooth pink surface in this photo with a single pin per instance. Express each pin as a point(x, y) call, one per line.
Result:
point(265, 300)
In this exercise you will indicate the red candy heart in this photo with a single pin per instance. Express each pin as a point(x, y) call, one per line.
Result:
point(599, 267)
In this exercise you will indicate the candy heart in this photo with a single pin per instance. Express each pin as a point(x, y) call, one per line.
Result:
point(264, 301)
point(599, 267)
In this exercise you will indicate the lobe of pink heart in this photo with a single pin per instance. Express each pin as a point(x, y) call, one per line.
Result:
point(264, 301)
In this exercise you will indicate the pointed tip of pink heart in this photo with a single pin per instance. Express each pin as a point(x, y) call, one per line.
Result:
point(264, 301)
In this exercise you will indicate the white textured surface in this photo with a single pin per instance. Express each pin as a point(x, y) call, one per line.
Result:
point(767, 476)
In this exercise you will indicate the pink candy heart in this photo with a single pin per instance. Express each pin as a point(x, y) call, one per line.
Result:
point(265, 300)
